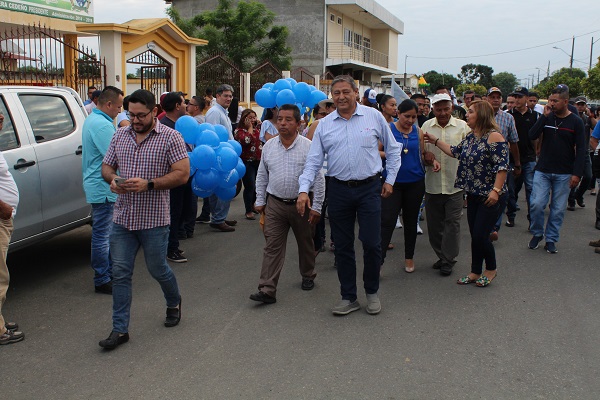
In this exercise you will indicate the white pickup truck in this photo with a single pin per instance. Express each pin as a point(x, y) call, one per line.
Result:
point(41, 141)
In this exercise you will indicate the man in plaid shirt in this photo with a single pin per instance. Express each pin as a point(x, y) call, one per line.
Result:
point(151, 159)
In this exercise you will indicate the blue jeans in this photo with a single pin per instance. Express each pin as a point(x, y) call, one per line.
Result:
point(346, 204)
point(102, 214)
point(249, 181)
point(526, 178)
point(481, 219)
point(218, 209)
point(543, 183)
point(124, 245)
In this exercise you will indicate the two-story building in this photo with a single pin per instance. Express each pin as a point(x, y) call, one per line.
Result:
point(354, 37)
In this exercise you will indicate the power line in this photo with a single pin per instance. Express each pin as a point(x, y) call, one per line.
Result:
point(502, 52)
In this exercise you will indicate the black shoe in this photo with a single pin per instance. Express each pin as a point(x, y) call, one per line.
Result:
point(189, 235)
point(10, 337)
point(550, 247)
point(446, 269)
point(11, 326)
point(534, 243)
point(176, 256)
point(571, 205)
point(114, 339)
point(510, 222)
point(580, 202)
point(308, 284)
point(173, 315)
point(203, 220)
point(263, 298)
point(438, 264)
point(105, 288)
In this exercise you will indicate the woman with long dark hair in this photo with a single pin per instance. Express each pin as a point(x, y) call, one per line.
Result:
point(482, 169)
point(247, 134)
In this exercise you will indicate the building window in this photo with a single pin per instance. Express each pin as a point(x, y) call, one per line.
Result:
point(348, 37)
point(357, 40)
point(339, 20)
point(332, 17)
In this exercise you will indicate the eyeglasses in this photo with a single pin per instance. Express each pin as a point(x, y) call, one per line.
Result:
point(138, 116)
point(192, 104)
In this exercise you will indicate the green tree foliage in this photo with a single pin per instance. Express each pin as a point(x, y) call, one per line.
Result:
point(571, 77)
point(244, 33)
point(477, 73)
point(463, 87)
point(435, 79)
point(591, 85)
point(506, 82)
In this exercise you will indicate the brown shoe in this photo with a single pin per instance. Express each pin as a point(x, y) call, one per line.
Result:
point(233, 222)
point(595, 243)
point(223, 227)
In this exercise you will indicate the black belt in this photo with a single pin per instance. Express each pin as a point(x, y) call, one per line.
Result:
point(285, 201)
point(357, 183)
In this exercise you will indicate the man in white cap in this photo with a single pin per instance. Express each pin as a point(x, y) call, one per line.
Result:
point(444, 202)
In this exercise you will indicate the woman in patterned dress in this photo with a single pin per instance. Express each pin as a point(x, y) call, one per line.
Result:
point(247, 134)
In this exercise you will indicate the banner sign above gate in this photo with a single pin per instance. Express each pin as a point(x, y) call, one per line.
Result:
point(72, 10)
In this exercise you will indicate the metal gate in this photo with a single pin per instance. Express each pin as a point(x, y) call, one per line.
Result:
point(216, 70)
point(155, 72)
point(261, 74)
point(303, 75)
point(33, 55)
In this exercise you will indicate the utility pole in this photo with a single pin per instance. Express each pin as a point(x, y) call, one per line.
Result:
point(548, 70)
point(405, 59)
point(572, 52)
point(538, 76)
point(592, 51)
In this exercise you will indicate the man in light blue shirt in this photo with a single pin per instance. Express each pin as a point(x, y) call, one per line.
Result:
point(218, 114)
point(97, 133)
point(350, 136)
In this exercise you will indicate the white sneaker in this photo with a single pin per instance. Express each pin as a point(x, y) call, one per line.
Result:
point(398, 223)
point(419, 230)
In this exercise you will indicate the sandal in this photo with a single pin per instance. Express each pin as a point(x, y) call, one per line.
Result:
point(484, 281)
point(465, 280)
point(250, 216)
point(409, 269)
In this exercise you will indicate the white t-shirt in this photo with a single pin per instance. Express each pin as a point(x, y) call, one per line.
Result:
point(122, 116)
point(9, 193)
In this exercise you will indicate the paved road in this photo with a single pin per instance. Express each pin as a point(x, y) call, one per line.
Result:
point(532, 334)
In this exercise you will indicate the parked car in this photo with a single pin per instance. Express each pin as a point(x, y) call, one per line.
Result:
point(41, 141)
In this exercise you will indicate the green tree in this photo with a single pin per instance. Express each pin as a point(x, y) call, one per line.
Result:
point(244, 33)
point(463, 87)
point(506, 82)
point(477, 73)
point(573, 78)
point(435, 79)
point(591, 85)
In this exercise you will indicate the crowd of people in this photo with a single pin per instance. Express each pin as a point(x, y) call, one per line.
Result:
point(370, 159)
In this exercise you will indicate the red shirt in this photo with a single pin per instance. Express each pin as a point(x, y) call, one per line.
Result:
point(251, 144)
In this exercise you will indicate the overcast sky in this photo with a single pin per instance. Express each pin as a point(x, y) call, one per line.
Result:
point(467, 28)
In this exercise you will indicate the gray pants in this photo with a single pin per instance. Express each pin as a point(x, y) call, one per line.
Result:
point(443, 224)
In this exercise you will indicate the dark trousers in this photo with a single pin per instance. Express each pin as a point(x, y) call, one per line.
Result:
point(578, 192)
point(346, 204)
point(249, 181)
point(189, 224)
point(181, 208)
point(279, 218)
point(481, 220)
point(205, 213)
point(406, 197)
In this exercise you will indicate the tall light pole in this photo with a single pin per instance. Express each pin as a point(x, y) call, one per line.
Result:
point(570, 55)
point(572, 52)
point(539, 69)
point(405, 59)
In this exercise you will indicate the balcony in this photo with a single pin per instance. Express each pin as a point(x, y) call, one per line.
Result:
point(352, 53)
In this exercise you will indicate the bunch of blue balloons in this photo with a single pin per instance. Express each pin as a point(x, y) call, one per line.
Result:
point(215, 162)
point(288, 91)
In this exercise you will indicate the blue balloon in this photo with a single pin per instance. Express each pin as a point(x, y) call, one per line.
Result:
point(286, 96)
point(225, 144)
point(312, 88)
point(316, 97)
point(302, 92)
point(240, 168)
point(222, 132)
point(268, 85)
point(201, 192)
point(204, 126)
point(281, 84)
point(236, 146)
point(226, 159)
point(229, 178)
point(193, 168)
point(207, 180)
point(265, 97)
point(188, 127)
point(301, 108)
point(226, 193)
point(208, 138)
point(292, 81)
point(203, 157)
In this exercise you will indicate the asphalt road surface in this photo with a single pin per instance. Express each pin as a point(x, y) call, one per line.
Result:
point(532, 334)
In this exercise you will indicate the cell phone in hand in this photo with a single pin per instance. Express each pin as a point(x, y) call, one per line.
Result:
point(120, 181)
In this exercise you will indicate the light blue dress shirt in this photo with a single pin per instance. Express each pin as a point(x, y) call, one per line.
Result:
point(352, 148)
point(218, 115)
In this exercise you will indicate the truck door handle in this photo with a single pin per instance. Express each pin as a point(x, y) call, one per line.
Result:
point(23, 164)
point(79, 151)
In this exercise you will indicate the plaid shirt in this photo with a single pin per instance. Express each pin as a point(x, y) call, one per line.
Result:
point(150, 159)
point(508, 129)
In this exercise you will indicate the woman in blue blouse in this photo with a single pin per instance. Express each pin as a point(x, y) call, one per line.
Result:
point(483, 162)
point(409, 187)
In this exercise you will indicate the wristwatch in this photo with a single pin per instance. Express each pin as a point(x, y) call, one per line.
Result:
point(495, 189)
point(150, 184)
